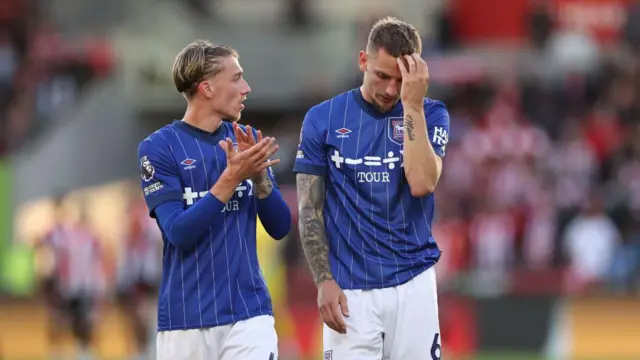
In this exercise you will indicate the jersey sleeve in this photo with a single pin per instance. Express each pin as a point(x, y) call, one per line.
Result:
point(438, 127)
point(160, 180)
point(311, 157)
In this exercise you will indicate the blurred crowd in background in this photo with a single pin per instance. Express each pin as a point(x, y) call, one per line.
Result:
point(40, 71)
point(540, 192)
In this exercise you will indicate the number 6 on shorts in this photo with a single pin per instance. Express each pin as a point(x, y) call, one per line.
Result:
point(436, 349)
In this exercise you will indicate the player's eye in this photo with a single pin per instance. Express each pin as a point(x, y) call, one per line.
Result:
point(383, 76)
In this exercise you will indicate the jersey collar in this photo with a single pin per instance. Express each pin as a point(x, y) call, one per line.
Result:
point(212, 138)
point(369, 108)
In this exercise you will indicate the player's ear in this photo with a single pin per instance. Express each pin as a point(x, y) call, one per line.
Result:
point(362, 61)
point(206, 88)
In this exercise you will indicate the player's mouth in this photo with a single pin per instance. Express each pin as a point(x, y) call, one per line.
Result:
point(387, 100)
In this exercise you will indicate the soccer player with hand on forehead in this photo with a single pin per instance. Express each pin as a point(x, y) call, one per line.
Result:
point(205, 181)
point(367, 165)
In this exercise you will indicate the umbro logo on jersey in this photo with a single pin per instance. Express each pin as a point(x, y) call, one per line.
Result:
point(188, 164)
point(343, 133)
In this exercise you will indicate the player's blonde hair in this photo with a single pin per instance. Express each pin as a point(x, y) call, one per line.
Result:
point(395, 36)
point(198, 61)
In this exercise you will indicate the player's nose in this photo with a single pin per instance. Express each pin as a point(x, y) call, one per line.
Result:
point(245, 88)
point(393, 89)
point(392, 92)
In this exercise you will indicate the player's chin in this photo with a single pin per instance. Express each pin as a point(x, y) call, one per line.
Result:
point(237, 111)
point(385, 104)
point(234, 116)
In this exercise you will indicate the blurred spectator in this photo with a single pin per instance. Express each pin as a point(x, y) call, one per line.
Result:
point(540, 231)
point(575, 165)
point(451, 231)
point(298, 13)
point(139, 275)
point(492, 236)
point(8, 68)
point(446, 38)
point(604, 132)
point(631, 32)
point(625, 270)
point(8, 63)
point(590, 241)
point(76, 280)
point(540, 24)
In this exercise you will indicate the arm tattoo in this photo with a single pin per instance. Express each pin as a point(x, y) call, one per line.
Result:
point(311, 225)
point(408, 127)
point(263, 186)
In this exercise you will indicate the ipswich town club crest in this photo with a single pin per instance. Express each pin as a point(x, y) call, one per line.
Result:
point(395, 130)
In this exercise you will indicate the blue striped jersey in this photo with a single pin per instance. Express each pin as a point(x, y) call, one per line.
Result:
point(217, 281)
point(379, 235)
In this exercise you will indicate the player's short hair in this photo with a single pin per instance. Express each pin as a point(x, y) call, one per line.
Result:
point(396, 37)
point(196, 62)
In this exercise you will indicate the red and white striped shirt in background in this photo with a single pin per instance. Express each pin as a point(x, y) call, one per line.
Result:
point(78, 261)
point(140, 257)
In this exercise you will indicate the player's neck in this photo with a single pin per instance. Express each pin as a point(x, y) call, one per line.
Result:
point(203, 120)
point(366, 96)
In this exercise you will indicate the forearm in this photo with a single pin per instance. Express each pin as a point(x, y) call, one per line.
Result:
point(224, 188)
point(183, 227)
point(274, 214)
point(421, 163)
point(311, 225)
point(262, 185)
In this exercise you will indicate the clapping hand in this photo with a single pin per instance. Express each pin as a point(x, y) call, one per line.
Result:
point(250, 158)
point(245, 139)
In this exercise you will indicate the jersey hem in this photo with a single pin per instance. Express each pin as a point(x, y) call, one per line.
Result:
point(211, 325)
point(391, 284)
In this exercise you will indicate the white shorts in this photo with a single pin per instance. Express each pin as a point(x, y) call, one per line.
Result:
point(397, 323)
point(251, 339)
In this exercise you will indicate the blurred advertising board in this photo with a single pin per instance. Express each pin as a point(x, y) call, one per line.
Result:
point(604, 327)
point(14, 261)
